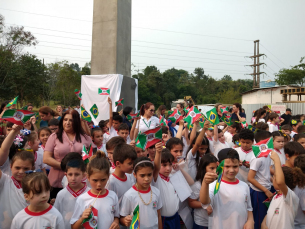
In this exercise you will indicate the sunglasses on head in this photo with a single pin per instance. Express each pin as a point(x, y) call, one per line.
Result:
point(152, 110)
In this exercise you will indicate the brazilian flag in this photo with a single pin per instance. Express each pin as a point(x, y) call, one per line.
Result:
point(12, 102)
point(94, 111)
point(211, 114)
point(219, 170)
point(85, 115)
point(135, 223)
point(226, 119)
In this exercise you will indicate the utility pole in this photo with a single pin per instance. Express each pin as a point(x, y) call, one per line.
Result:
point(256, 65)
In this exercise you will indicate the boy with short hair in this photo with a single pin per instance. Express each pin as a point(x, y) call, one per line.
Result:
point(114, 121)
point(292, 150)
point(66, 198)
point(122, 179)
point(53, 125)
point(246, 138)
point(123, 131)
point(259, 180)
point(110, 145)
point(231, 204)
point(286, 129)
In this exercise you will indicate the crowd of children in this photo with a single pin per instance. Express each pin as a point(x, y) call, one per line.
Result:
point(168, 185)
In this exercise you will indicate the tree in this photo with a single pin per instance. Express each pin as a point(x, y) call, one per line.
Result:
point(294, 75)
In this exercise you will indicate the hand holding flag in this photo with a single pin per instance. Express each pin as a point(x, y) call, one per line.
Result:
point(211, 114)
point(263, 148)
point(18, 117)
point(119, 102)
point(219, 170)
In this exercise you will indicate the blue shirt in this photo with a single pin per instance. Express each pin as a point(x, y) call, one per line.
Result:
point(235, 117)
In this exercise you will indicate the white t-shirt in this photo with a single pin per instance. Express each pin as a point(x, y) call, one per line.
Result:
point(282, 156)
point(38, 160)
point(148, 213)
point(120, 186)
point(201, 216)
point(273, 127)
point(219, 146)
point(243, 170)
point(230, 205)
point(282, 211)
point(228, 138)
point(107, 206)
point(65, 203)
point(211, 145)
point(299, 221)
point(262, 120)
point(102, 148)
point(144, 124)
point(185, 147)
point(41, 151)
point(169, 196)
point(292, 134)
point(191, 164)
point(11, 200)
point(49, 218)
point(262, 167)
point(6, 168)
point(105, 138)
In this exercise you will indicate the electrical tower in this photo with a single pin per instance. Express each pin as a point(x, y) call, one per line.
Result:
point(256, 66)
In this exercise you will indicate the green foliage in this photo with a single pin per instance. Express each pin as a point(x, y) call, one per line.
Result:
point(294, 75)
point(163, 88)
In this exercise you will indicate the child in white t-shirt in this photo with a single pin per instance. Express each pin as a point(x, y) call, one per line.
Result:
point(110, 145)
point(208, 163)
point(295, 123)
point(121, 180)
point(230, 131)
point(284, 205)
point(114, 122)
point(98, 140)
point(39, 214)
point(219, 141)
point(200, 148)
point(99, 201)
point(231, 204)
point(144, 195)
point(274, 120)
point(66, 198)
point(43, 136)
point(210, 135)
point(278, 144)
point(246, 138)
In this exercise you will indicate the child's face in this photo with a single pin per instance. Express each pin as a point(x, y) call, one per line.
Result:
point(221, 137)
point(98, 138)
point(278, 142)
point(211, 167)
point(290, 160)
point(246, 144)
point(8, 130)
point(126, 167)
point(43, 136)
point(277, 120)
point(144, 177)
point(231, 129)
point(116, 124)
point(176, 151)
point(38, 199)
point(230, 169)
point(210, 133)
point(202, 150)
point(124, 134)
point(34, 145)
point(19, 167)
point(110, 154)
point(287, 131)
point(166, 169)
point(302, 142)
point(106, 127)
point(98, 181)
point(140, 152)
point(152, 152)
point(74, 176)
point(53, 128)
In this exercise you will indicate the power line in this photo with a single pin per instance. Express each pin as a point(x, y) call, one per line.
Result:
point(64, 37)
point(272, 54)
point(61, 56)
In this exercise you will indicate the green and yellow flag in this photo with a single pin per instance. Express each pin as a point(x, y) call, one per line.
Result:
point(211, 114)
point(12, 102)
point(94, 111)
point(85, 115)
point(135, 223)
point(219, 170)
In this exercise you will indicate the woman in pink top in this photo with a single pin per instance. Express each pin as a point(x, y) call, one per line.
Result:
point(70, 138)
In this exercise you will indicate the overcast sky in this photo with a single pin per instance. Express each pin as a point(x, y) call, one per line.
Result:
point(185, 34)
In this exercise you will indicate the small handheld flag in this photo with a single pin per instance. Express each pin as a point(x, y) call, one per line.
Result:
point(201, 120)
point(12, 102)
point(119, 102)
point(25, 108)
point(91, 221)
point(78, 94)
point(149, 138)
point(219, 170)
point(132, 116)
point(175, 116)
point(224, 110)
point(244, 124)
point(18, 117)
point(263, 148)
point(162, 121)
point(267, 202)
point(226, 119)
point(103, 91)
point(192, 116)
point(211, 114)
point(85, 155)
point(94, 111)
point(170, 112)
point(85, 115)
point(135, 223)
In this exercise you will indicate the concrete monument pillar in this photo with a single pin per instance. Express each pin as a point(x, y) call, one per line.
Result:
point(111, 37)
